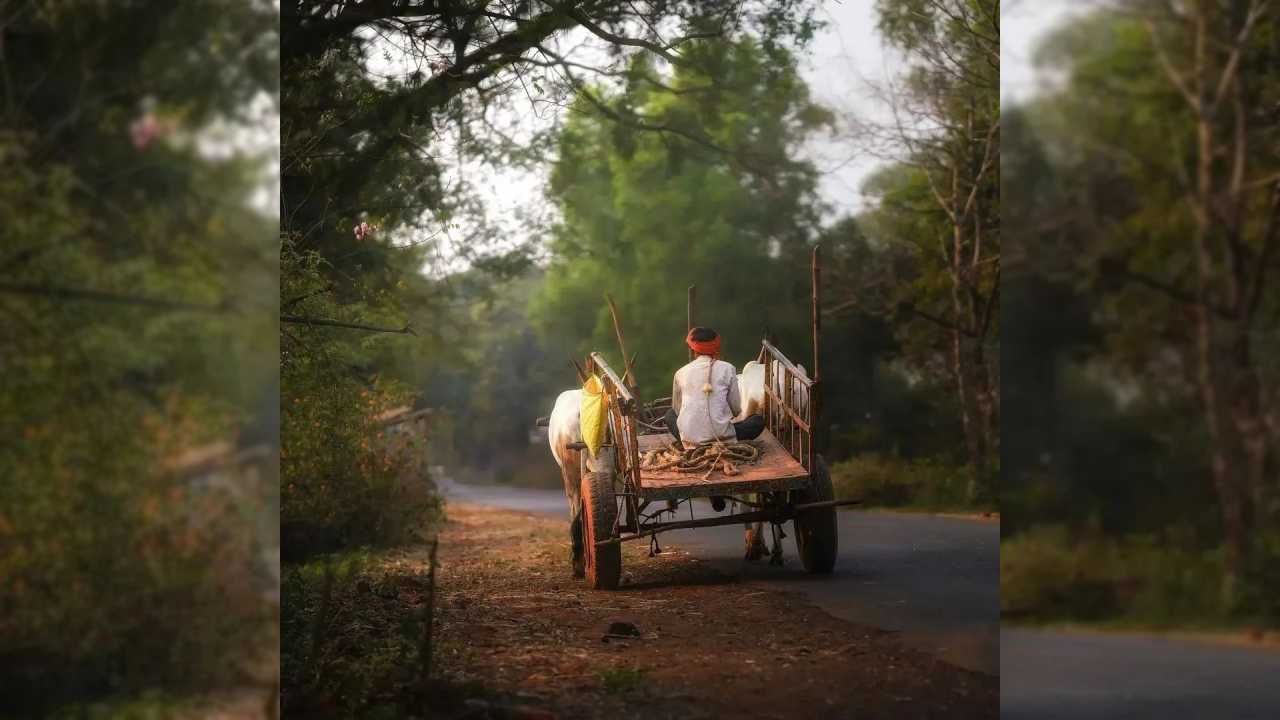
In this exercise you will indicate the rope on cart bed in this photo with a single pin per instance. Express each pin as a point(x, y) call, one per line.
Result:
point(706, 457)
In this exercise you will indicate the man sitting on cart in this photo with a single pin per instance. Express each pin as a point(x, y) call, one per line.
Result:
point(705, 396)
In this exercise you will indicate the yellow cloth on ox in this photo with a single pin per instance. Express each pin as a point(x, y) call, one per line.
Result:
point(593, 417)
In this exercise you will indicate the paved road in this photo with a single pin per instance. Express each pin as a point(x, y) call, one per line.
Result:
point(1083, 676)
point(935, 580)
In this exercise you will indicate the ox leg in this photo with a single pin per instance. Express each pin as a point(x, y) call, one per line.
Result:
point(775, 555)
point(755, 539)
point(575, 542)
point(572, 473)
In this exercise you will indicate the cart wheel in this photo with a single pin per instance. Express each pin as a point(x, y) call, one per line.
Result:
point(599, 510)
point(816, 533)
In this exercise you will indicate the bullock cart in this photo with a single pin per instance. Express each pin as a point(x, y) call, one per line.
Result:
point(624, 500)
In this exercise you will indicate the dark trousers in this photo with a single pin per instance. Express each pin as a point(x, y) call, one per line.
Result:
point(749, 429)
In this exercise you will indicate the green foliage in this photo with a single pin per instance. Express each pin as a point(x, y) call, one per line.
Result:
point(368, 145)
point(1107, 435)
point(647, 214)
point(150, 705)
point(1258, 597)
point(343, 486)
point(136, 290)
point(351, 634)
point(622, 680)
point(943, 203)
point(503, 375)
point(922, 483)
point(1049, 574)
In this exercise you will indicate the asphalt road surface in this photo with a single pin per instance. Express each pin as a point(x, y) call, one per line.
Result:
point(1083, 676)
point(934, 580)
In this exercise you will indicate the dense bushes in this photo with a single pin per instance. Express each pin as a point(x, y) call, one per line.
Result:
point(1052, 574)
point(925, 483)
point(119, 577)
point(343, 485)
point(352, 634)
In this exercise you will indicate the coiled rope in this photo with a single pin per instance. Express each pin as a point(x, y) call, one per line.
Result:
point(706, 457)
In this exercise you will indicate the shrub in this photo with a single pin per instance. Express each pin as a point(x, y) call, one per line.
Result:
point(351, 634)
point(119, 576)
point(1051, 574)
point(1045, 574)
point(622, 680)
point(895, 482)
point(1258, 598)
point(344, 487)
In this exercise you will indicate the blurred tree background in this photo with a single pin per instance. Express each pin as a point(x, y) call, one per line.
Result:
point(1141, 386)
point(137, 335)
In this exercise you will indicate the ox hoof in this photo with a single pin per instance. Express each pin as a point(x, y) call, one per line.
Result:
point(755, 546)
point(579, 568)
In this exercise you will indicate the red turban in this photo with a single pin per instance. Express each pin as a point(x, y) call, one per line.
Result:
point(706, 347)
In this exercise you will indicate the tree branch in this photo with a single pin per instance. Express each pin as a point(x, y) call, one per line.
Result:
point(294, 301)
point(64, 293)
point(297, 320)
point(1256, 11)
point(603, 34)
point(1176, 77)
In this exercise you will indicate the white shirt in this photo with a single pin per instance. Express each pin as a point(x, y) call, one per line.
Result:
point(691, 404)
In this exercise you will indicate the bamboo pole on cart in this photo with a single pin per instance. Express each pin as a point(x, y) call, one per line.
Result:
point(582, 374)
point(815, 391)
point(693, 294)
point(627, 370)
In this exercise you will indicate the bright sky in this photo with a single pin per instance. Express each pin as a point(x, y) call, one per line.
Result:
point(1023, 26)
point(847, 60)
point(257, 136)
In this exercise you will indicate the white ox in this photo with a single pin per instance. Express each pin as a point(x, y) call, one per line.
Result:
point(751, 388)
point(562, 431)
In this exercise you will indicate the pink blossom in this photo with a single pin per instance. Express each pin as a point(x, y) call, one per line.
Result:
point(364, 230)
point(146, 129)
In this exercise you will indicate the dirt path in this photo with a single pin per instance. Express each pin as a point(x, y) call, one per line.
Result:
point(510, 618)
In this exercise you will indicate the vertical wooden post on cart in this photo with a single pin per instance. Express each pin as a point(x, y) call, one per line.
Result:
point(693, 292)
point(815, 390)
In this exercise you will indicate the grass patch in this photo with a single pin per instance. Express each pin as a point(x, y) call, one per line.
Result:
point(622, 680)
point(153, 705)
point(351, 631)
point(914, 484)
point(1050, 575)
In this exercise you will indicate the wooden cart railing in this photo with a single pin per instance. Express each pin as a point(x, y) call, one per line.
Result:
point(789, 404)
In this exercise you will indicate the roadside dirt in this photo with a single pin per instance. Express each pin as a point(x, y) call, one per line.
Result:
point(510, 618)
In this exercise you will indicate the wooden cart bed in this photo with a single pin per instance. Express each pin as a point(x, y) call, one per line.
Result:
point(775, 470)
